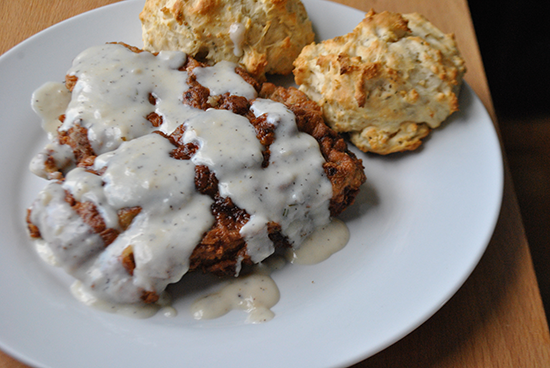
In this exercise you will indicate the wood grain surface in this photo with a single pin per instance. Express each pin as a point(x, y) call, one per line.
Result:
point(496, 319)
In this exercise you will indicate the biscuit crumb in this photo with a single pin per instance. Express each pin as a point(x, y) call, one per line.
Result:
point(388, 83)
point(263, 36)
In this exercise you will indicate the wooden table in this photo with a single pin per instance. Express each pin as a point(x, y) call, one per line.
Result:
point(496, 319)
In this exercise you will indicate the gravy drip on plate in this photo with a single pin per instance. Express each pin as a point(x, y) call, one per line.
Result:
point(140, 311)
point(319, 246)
point(135, 169)
point(255, 293)
point(222, 78)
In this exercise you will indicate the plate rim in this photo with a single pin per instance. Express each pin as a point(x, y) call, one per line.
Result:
point(24, 358)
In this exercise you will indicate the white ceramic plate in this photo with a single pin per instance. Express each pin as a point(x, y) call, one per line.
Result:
point(418, 228)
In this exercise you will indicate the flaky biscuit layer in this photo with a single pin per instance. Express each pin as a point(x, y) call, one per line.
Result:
point(388, 82)
point(264, 36)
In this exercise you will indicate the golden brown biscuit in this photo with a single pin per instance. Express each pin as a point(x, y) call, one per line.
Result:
point(388, 82)
point(264, 36)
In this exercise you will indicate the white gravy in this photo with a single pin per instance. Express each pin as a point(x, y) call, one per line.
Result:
point(49, 102)
point(320, 245)
point(110, 99)
point(236, 34)
point(140, 311)
point(255, 293)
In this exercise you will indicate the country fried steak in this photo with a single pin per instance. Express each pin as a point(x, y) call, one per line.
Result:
point(165, 200)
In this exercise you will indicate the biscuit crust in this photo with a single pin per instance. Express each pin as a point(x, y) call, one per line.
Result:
point(388, 83)
point(264, 36)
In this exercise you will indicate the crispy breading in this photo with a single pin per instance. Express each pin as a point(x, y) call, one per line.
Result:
point(220, 247)
point(223, 248)
point(342, 167)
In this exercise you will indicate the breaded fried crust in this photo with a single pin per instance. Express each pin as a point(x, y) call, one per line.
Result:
point(226, 186)
point(343, 168)
point(223, 248)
